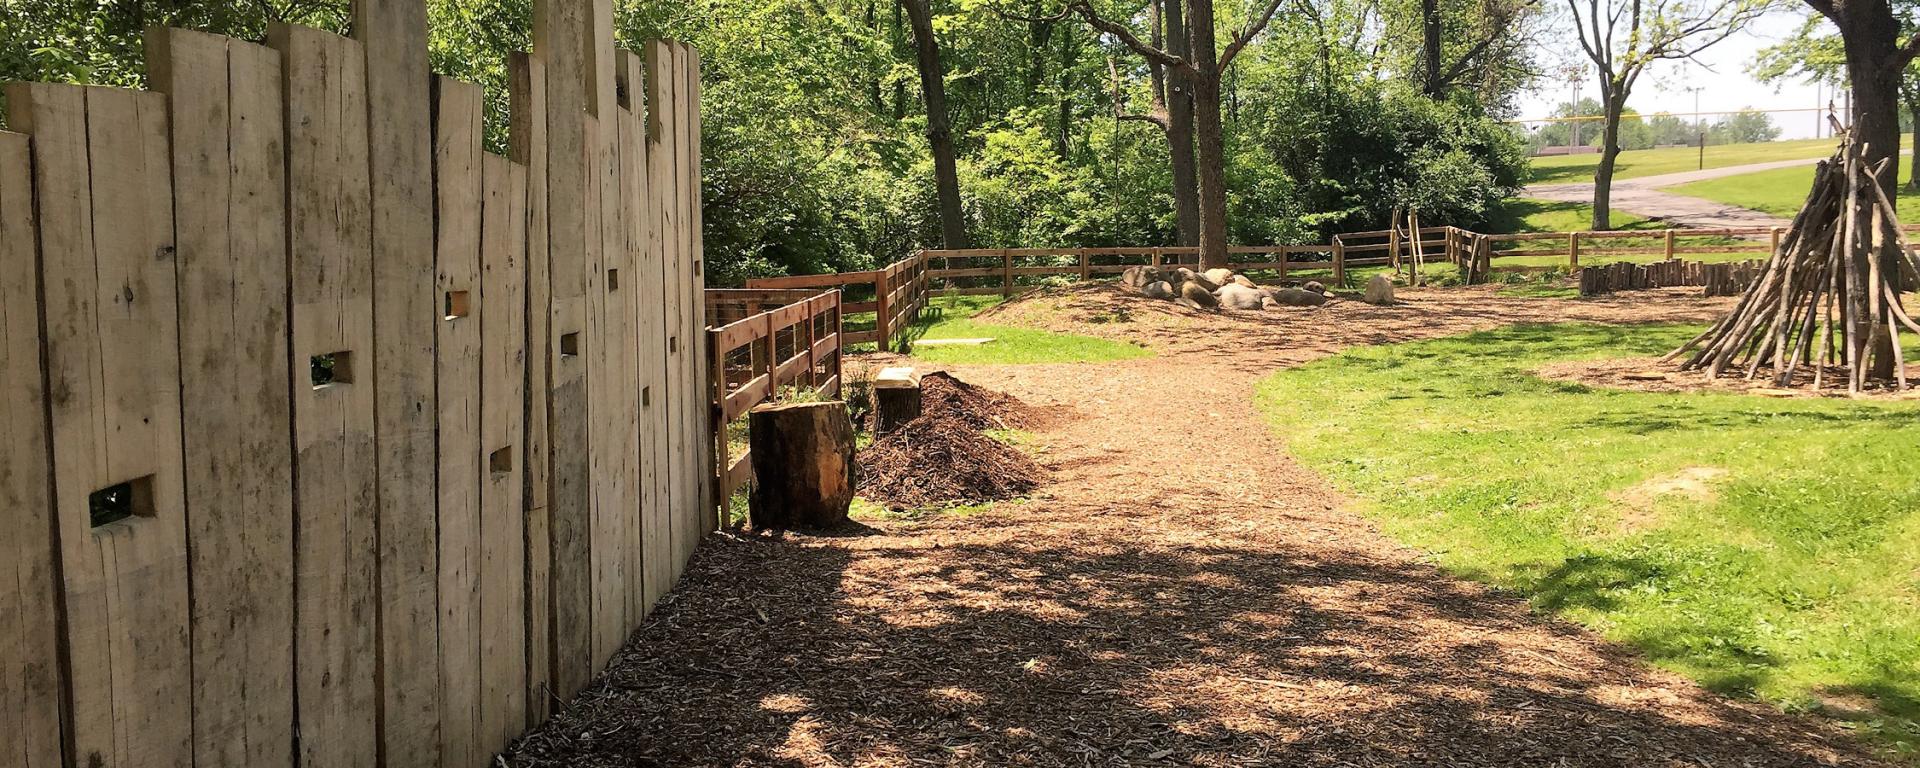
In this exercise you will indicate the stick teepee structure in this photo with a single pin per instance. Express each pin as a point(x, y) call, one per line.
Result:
point(1828, 300)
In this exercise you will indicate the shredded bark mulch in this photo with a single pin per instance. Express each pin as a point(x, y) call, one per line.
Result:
point(944, 456)
point(1179, 593)
point(1649, 374)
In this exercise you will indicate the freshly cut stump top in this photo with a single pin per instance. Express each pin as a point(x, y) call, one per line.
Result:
point(1168, 599)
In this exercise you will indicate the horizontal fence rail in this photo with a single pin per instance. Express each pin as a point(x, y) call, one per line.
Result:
point(765, 340)
point(898, 291)
point(332, 438)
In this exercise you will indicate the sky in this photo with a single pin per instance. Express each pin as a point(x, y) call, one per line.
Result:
point(1723, 81)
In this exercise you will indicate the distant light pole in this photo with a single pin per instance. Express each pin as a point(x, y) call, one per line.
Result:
point(1700, 124)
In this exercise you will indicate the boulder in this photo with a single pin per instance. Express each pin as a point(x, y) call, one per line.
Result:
point(1188, 303)
point(1158, 289)
point(1140, 277)
point(1239, 297)
point(1379, 290)
point(1243, 281)
point(1219, 276)
point(1296, 297)
point(1267, 302)
point(1315, 286)
point(1200, 280)
point(1191, 291)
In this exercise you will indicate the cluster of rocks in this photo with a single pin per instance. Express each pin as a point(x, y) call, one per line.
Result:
point(1217, 288)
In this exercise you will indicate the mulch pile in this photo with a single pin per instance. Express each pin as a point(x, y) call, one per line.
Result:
point(944, 456)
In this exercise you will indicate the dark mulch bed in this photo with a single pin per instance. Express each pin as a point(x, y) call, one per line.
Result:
point(944, 456)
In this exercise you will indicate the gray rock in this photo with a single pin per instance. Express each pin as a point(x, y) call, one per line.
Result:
point(1379, 290)
point(1191, 291)
point(1239, 297)
point(1219, 276)
point(1158, 289)
point(1315, 286)
point(1242, 280)
point(1296, 297)
point(1140, 277)
point(1201, 280)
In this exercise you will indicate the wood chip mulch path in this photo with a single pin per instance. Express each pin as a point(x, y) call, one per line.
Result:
point(1181, 593)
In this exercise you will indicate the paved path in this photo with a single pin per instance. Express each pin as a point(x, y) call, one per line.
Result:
point(1643, 196)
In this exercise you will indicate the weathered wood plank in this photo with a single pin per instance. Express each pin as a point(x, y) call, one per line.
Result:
point(696, 329)
point(662, 138)
point(104, 192)
point(330, 251)
point(656, 517)
point(457, 178)
point(645, 314)
point(528, 144)
point(230, 217)
point(602, 417)
point(502, 611)
point(527, 86)
point(559, 40)
point(399, 135)
point(32, 695)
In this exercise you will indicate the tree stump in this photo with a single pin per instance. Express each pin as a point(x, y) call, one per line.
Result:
point(802, 465)
point(896, 399)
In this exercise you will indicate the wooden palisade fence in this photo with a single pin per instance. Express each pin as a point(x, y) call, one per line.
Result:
point(330, 438)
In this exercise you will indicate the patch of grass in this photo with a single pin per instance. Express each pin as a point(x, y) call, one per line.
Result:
point(1795, 577)
point(1525, 214)
point(1567, 169)
point(951, 317)
point(1779, 192)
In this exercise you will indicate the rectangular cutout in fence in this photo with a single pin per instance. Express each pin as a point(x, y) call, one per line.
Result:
point(613, 280)
point(570, 344)
point(457, 305)
point(330, 369)
point(121, 501)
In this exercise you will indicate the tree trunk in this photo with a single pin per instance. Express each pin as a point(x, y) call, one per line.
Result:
point(1871, 37)
point(933, 89)
point(1430, 48)
point(1186, 191)
point(1616, 100)
point(803, 467)
point(1209, 140)
point(1913, 112)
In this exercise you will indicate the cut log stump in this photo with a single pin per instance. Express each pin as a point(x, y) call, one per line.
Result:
point(802, 465)
point(896, 399)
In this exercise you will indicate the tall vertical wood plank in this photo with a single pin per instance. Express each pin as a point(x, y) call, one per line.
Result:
point(103, 184)
point(697, 289)
point(457, 176)
point(692, 429)
point(503, 645)
point(31, 693)
point(394, 33)
point(527, 85)
point(559, 39)
point(230, 217)
point(633, 186)
point(661, 113)
point(603, 554)
point(330, 251)
point(656, 544)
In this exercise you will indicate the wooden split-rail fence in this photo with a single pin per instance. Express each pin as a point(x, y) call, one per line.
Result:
point(330, 438)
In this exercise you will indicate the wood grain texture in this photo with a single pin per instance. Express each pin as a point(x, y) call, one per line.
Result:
point(696, 227)
point(662, 139)
point(32, 693)
point(559, 28)
point(502, 610)
point(457, 175)
point(640, 370)
point(655, 528)
point(106, 240)
point(230, 217)
point(399, 127)
point(527, 87)
point(330, 251)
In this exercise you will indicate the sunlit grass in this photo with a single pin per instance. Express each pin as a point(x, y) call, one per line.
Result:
point(1566, 169)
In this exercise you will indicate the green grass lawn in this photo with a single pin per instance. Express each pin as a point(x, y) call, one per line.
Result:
point(1522, 214)
point(1795, 579)
point(952, 317)
point(1779, 192)
point(1568, 169)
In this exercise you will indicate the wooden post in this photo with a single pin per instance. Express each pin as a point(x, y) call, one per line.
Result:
point(1006, 274)
point(1393, 246)
point(1339, 261)
point(718, 366)
point(1573, 250)
point(1773, 238)
point(880, 312)
point(1669, 245)
point(1285, 252)
point(1085, 268)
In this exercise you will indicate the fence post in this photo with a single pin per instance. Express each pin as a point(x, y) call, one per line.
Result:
point(1393, 246)
point(1339, 261)
point(1084, 266)
point(1573, 251)
point(1669, 252)
point(813, 365)
point(722, 462)
point(881, 307)
point(1006, 274)
point(1285, 252)
point(1773, 245)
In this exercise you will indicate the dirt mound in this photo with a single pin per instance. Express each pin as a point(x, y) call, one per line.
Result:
point(944, 456)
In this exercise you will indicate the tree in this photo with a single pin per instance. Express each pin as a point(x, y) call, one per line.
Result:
point(1200, 67)
point(1171, 110)
point(1815, 55)
point(1493, 22)
point(1747, 126)
point(933, 90)
point(1668, 130)
point(1624, 37)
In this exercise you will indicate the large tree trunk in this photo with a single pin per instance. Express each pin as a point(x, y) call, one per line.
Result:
point(1430, 48)
point(934, 90)
point(1616, 101)
point(1209, 139)
point(1186, 191)
point(1871, 37)
point(1913, 112)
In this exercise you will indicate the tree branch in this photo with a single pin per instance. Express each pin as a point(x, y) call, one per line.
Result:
point(1246, 35)
point(1125, 36)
